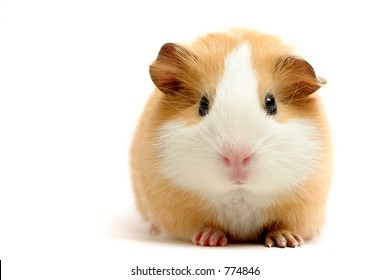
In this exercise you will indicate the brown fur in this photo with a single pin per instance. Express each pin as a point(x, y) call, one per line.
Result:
point(194, 73)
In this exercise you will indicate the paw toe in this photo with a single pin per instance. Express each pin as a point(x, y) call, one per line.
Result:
point(154, 229)
point(210, 237)
point(282, 239)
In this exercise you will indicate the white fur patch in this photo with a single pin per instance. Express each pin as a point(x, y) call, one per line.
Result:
point(284, 155)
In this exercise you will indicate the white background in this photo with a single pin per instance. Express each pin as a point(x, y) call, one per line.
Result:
point(73, 81)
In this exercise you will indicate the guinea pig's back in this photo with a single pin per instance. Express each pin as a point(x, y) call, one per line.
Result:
point(142, 159)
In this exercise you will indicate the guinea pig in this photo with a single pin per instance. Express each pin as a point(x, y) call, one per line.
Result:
point(233, 144)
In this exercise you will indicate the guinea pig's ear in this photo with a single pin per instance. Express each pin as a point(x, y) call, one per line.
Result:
point(297, 76)
point(168, 69)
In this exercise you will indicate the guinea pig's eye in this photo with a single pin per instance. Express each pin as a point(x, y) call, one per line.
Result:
point(204, 106)
point(270, 104)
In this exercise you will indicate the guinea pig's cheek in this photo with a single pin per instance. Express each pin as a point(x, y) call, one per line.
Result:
point(184, 156)
point(288, 156)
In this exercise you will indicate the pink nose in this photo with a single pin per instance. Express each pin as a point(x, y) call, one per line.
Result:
point(236, 160)
point(236, 163)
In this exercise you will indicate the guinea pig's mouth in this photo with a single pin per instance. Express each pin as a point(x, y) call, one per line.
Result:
point(238, 177)
point(239, 183)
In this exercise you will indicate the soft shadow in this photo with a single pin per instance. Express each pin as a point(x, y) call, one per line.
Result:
point(129, 225)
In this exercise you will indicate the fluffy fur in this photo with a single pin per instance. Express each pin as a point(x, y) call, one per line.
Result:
point(179, 178)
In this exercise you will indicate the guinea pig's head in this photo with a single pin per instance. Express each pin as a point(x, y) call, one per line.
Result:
point(237, 111)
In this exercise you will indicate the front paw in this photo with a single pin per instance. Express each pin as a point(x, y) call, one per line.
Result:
point(209, 237)
point(283, 238)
